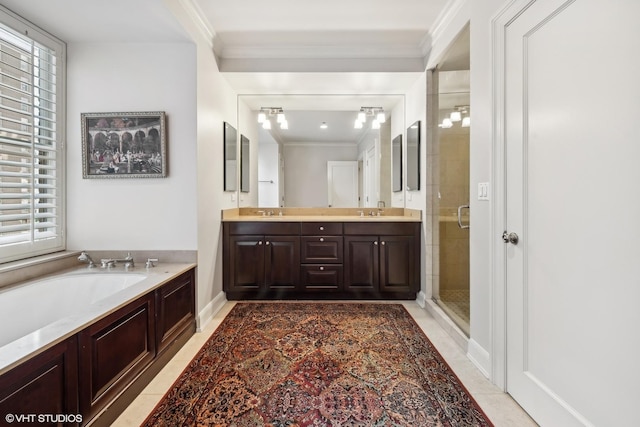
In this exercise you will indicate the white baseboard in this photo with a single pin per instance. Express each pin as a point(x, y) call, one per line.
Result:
point(421, 299)
point(479, 357)
point(210, 310)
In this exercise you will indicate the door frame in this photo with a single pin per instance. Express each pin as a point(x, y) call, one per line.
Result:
point(498, 252)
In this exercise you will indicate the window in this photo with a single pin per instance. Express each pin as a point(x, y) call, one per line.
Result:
point(31, 140)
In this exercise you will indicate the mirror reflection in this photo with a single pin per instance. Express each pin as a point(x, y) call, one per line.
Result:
point(396, 161)
point(230, 158)
point(413, 157)
point(245, 164)
point(323, 157)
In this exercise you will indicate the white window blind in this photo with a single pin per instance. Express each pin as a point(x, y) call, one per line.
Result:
point(31, 152)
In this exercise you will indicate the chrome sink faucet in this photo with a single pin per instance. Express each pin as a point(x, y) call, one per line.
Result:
point(84, 257)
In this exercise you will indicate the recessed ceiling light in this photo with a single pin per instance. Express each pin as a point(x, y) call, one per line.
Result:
point(323, 125)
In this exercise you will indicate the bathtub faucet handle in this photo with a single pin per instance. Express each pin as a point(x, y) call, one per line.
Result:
point(107, 263)
point(150, 262)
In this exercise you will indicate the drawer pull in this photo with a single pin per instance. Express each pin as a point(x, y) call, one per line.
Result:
point(267, 243)
point(321, 228)
point(383, 243)
point(260, 242)
point(321, 268)
point(375, 243)
point(322, 239)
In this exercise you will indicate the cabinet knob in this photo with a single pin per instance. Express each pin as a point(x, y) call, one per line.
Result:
point(267, 242)
point(322, 239)
point(260, 242)
point(383, 243)
point(321, 228)
point(375, 243)
point(321, 268)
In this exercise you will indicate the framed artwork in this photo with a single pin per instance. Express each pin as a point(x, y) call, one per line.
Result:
point(124, 145)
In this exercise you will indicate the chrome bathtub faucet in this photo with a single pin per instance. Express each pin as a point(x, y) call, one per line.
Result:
point(84, 257)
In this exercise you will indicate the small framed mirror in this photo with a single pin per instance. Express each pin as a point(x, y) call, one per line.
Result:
point(230, 158)
point(245, 162)
point(413, 157)
point(396, 163)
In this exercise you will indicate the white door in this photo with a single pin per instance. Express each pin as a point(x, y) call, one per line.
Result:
point(370, 175)
point(572, 152)
point(342, 183)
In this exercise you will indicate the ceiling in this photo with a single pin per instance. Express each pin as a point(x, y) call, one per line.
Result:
point(354, 47)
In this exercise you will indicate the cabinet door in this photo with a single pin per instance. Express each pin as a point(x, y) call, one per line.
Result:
point(46, 384)
point(114, 351)
point(175, 309)
point(397, 263)
point(282, 262)
point(246, 263)
point(361, 264)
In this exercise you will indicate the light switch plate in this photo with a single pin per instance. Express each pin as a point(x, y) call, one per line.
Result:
point(483, 191)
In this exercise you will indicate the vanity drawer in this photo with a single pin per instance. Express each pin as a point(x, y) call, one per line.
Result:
point(319, 277)
point(321, 249)
point(321, 228)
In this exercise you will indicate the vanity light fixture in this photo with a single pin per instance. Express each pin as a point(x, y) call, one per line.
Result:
point(265, 114)
point(377, 113)
point(461, 114)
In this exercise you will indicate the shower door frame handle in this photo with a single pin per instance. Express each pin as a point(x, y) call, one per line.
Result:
point(460, 216)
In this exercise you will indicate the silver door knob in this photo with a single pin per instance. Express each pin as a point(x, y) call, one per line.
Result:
point(510, 238)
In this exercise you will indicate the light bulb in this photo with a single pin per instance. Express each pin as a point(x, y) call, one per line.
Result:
point(266, 124)
point(446, 123)
point(262, 117)
point(357, 124)
point(280, 117)
point(362, 117)
point(381, 118)
point(284, 124)
point(375, 124)
point(466, 122)
point(455, 116)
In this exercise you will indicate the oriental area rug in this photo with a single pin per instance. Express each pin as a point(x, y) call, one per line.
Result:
point(311, 364)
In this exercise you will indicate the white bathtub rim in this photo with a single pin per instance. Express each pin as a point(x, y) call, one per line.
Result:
point(28, 346)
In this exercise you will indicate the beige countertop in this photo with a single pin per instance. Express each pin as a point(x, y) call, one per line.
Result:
point(322, 215)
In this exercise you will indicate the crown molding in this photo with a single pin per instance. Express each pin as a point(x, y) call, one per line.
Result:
point(202, 24)
point(444, 19)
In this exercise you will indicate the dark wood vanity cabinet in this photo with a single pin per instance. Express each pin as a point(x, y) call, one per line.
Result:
point(351, 260)
point(382, 265)
point(261, 263)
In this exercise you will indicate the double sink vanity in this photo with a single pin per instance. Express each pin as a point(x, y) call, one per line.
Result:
point(321, 253)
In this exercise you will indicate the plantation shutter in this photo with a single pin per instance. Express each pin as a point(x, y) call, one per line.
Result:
point(31, 156)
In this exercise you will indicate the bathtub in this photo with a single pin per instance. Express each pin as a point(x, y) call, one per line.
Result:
point(40, 313)
point(55, 298)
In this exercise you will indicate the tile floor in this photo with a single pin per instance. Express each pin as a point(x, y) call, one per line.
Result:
point(498, 406)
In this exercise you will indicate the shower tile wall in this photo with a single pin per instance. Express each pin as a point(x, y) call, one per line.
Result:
point(454, 192)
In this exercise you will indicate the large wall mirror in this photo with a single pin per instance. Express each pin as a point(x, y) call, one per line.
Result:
point(293, 160)
point(230, 158)
point(413, 157)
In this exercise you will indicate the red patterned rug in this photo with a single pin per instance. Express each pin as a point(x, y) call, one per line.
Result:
point(316, 365)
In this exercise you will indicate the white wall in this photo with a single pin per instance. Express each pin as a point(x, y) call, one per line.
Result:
point(133, 214)
point(215, 104)
point(305, 171)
